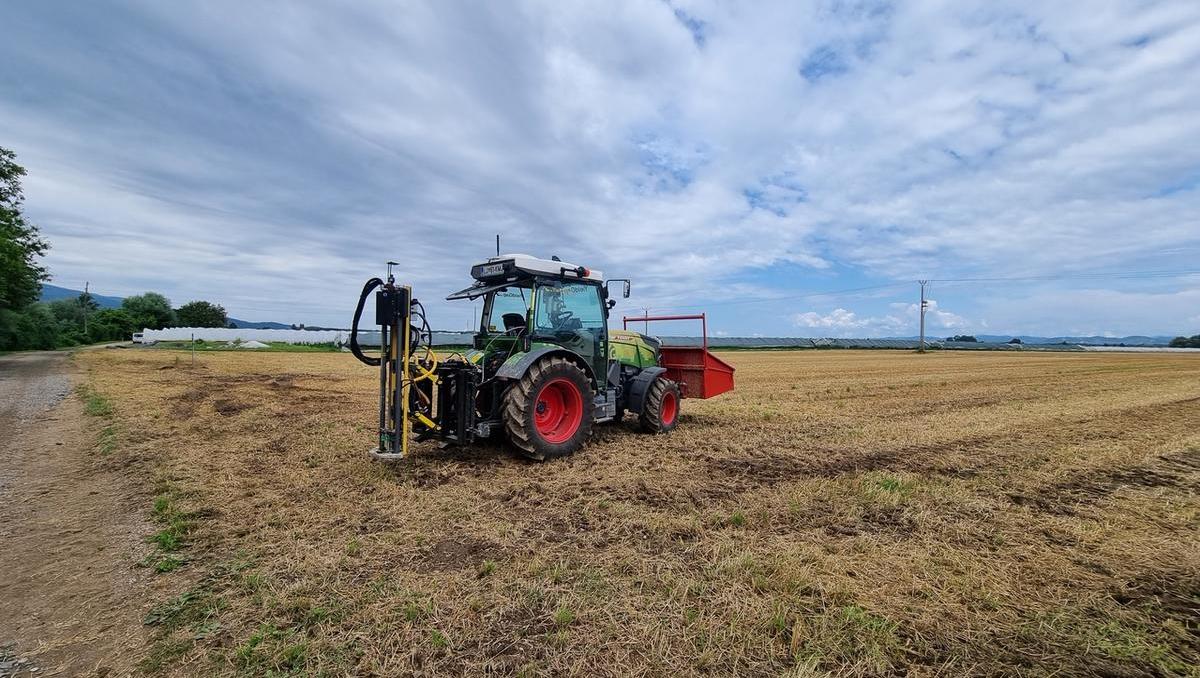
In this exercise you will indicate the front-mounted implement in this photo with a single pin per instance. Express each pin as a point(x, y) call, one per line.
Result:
point(542, 369)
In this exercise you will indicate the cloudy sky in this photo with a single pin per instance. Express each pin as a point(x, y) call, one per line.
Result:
point(739, 158)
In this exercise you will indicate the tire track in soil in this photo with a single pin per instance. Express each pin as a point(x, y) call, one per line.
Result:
point(962, 458)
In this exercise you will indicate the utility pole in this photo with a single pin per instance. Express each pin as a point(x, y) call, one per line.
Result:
point(83, 301)
point(924, 304)
point(646, 315)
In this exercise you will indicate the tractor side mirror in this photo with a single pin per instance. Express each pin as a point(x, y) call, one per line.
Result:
point(624, 289)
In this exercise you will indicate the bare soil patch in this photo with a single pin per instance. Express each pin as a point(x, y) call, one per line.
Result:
point(457, 553)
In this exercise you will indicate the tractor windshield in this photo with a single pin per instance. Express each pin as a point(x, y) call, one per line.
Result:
point(568, 307)
point(571, 315)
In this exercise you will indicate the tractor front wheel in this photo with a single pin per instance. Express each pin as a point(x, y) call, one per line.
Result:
point(660, 412)
point(548, 412)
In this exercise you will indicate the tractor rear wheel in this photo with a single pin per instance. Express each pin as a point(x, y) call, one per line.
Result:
point(548, 412)
point(660, 412)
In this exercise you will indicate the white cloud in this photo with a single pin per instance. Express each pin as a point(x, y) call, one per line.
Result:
point(837, 319)
point(843, 323)
point(935, 317)
point(904, 320)
point(169, 146)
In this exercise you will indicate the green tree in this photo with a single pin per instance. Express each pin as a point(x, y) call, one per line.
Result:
point(66, 311)
point(149, 311)
point(87, 301)
point(67, 317)
point(1186, 342)
point(23, 323)
point(111, 324)
point(201, 314)
point(33, 327)
point(21, 275)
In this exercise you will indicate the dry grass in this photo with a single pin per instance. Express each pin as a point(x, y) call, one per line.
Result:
point(857, 513)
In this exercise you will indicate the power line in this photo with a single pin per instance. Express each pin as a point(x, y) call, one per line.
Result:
point(1119, 275)
point(754, 300)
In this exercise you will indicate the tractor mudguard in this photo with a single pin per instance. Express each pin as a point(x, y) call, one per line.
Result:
point(516, 366)
point(639, 385)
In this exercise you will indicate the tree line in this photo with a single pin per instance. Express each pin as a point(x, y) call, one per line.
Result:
point(1186, 342)
point(27, 323)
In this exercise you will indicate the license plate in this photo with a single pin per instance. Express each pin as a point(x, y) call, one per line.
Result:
point(491, 269)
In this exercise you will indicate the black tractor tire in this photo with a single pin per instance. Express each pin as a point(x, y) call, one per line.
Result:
point(548, 412)
point(660, 412)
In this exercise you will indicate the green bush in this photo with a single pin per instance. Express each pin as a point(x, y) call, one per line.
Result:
point(32, 327)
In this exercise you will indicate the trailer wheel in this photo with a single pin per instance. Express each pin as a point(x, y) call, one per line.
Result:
point(548, 412)
point(660, 412)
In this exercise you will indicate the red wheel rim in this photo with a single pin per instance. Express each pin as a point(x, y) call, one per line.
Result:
point(670, 407)
point(558, 411)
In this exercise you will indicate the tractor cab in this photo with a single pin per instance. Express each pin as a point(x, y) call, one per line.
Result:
point(531, 303)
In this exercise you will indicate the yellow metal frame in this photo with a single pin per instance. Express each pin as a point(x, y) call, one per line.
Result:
point(403, 427)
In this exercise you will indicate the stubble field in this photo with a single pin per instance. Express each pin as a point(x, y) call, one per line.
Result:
point(849, 512)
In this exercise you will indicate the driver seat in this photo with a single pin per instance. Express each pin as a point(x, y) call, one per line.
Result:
point(514, 321)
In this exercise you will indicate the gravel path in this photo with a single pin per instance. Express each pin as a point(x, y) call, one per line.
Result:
point(30, 384)
point(71, 531)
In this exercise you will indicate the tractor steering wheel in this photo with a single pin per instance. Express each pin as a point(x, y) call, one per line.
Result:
point(560, 316)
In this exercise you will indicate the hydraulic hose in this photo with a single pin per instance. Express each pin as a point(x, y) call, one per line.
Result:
point(422, 338)
point(362, 300)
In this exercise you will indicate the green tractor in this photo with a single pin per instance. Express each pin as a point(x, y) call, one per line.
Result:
point(543, 368)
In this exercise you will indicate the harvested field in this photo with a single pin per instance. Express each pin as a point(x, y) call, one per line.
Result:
point(859, 513)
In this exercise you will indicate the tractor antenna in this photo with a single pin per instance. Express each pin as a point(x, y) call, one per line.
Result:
point(497, 244)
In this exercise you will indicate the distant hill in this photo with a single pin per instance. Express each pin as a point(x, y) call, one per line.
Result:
point(251, 325)
point(1132, 340)
point(54, 292)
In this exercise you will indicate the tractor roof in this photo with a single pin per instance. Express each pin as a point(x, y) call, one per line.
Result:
point(499, 271)
point(511, 266)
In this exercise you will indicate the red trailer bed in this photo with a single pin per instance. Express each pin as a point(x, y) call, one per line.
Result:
point(700, 373)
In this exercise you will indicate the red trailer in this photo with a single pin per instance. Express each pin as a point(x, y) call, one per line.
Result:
point(700, 374)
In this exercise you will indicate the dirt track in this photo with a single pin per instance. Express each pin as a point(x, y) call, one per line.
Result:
point(71, 532)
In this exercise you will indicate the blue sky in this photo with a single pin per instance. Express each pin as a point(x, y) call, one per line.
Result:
point(738, 158)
